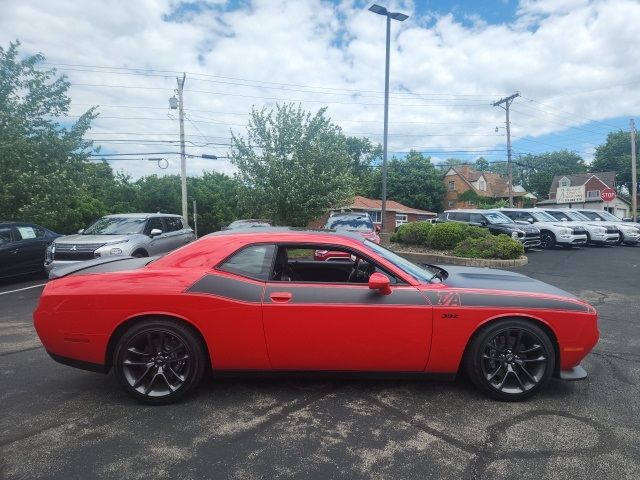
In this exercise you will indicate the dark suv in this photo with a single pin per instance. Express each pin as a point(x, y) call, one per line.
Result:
point(496, 222)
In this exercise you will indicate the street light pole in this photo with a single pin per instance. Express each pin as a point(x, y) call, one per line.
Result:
point(401, 17)
point(183, 156)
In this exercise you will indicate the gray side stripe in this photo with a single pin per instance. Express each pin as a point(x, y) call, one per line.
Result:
point(243, 291)
point(462, 299)
point(346, 295)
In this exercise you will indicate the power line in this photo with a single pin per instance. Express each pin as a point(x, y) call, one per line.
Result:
point(171, 73)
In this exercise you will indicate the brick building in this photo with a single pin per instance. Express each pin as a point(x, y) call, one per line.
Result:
point(397, 213)
point(489, 185)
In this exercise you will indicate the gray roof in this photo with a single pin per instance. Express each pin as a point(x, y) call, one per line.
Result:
point(577, 179)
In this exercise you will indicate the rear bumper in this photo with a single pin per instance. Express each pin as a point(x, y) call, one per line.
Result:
point(72, 362)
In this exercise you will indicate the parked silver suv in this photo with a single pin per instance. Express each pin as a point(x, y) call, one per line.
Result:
point(130, 234)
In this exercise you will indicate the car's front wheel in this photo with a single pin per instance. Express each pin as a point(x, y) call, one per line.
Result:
point(511, 359)
point(547, 240)
point(159, 361)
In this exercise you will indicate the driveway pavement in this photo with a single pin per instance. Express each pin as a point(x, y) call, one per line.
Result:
point(59, 422)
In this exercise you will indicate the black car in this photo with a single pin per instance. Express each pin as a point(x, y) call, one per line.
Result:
point(22, 248)
point(496, 222)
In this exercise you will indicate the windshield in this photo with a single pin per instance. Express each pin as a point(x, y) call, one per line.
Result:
point(116, 226)
point(559, 216)
point(609, 216)
point(423, 274)
point(576, 217)
point(359, 223)
point(542, 217)
point(592, 216)
point(497, 217)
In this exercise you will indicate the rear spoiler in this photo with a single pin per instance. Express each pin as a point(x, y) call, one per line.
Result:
point(101, 265)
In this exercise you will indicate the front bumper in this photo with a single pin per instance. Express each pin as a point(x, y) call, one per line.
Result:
point(571, 239)
point(630, 238)
point(530, 241)
point(48, 266)
point(605, 238)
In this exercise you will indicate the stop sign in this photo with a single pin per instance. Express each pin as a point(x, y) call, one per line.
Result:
point(608, 195)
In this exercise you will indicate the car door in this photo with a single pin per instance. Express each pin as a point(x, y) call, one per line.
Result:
point(176, 232)
point(32, 242)
point(8, 252)
point(158, 244)
point(343, 326)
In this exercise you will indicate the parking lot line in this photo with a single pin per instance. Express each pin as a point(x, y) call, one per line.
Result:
point(21, 289)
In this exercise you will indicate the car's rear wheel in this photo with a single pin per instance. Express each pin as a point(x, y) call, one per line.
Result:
point(511, 359)
point(159, 361)
point(547, 240)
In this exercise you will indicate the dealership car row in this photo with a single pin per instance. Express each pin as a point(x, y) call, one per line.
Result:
point(28, 248)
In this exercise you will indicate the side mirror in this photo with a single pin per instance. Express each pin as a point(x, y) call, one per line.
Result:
point(80, 231)
point(483, 223)
point(531, 220)
point(380, 282)
point(378, 228)
point(155, 232)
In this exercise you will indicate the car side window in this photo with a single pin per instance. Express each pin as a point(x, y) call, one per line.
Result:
point(253, 262)
point(5, 235)
point(323, 264)
point(173, 224)
point(28, 232)
point(476, 218)
point(154, 222)
point(463, 217)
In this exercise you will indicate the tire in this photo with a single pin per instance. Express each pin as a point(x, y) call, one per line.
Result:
point(139, 254)
point(511, 359)
point(547, 240)
point(159, 361)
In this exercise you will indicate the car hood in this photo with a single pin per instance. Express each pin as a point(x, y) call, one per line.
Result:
point(92, 239)
point(523, 227)
point(491, 279)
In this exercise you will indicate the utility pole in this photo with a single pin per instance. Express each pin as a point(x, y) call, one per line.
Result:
point(507, 103)
point(634, 177)
point(183, 156)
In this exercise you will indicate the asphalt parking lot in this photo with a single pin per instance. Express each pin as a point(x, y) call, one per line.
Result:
point(59, 422)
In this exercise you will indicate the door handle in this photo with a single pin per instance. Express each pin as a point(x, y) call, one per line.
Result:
point(280, 297)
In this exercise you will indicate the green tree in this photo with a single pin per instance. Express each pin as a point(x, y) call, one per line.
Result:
point(535, 172)
point(413, 181)
point(293, 165)
point(43, 157)
point(482, 165)
point(615, 156)
point(363, 154)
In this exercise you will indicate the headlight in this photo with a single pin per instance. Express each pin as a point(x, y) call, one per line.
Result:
point(48, 254)
point(514, 235)
point(566, 231)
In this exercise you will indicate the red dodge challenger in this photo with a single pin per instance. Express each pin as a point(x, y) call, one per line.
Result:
point(247, 301)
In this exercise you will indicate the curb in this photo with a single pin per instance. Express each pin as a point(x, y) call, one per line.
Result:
point(469, 262)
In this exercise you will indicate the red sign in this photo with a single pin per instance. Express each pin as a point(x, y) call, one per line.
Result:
point(608, 195)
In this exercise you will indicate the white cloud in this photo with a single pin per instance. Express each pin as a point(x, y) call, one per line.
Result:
point(553, 50)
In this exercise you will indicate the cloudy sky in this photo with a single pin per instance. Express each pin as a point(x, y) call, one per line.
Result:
point(574, 62)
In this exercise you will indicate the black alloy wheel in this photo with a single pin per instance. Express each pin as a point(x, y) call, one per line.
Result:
point(159, 361)
point(511, 359)
point(547, 240)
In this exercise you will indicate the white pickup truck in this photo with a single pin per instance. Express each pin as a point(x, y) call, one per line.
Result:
point(597, 233)
point(552, 231)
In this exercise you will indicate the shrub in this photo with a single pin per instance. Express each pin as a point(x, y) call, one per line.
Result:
point(500, 246)
point(445, 236)
point(477, 232)
point(413, 232)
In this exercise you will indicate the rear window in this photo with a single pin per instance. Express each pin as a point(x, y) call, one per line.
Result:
point(350, 223)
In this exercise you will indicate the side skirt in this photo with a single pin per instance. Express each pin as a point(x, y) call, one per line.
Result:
point(330, 374)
